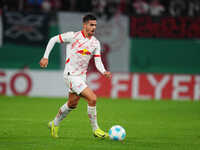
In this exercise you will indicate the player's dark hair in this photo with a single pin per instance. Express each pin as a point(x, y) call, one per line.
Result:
point(88, 17)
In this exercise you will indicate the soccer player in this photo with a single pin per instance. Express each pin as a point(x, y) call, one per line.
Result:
point(81, 46)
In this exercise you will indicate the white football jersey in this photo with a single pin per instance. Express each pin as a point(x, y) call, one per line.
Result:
point(79, 51)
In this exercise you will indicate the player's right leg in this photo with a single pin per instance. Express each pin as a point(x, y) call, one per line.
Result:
point(63, 112)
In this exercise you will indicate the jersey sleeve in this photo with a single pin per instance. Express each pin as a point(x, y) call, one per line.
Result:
point(61, 38)
point(97, 58)
point(97, 51)
point(66, 37)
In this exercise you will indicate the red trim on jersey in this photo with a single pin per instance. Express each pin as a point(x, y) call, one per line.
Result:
point(89, 37)
point(97, 55)
point(83, 34)
point(67, 61)
point(60, 38)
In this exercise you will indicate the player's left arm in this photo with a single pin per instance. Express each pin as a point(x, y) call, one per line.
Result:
point(98, 62)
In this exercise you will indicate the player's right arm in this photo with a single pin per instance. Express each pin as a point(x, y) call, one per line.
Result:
point(61, 38)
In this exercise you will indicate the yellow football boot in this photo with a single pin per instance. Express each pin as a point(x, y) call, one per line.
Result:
point(100, 134)
point(53, 129)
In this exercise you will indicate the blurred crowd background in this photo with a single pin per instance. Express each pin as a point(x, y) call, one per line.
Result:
point(108, 7)
point(170, 28)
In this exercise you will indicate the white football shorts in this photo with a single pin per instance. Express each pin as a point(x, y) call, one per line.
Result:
point(76, 84)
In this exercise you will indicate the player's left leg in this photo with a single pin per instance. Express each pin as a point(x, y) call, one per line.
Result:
point(90, 96)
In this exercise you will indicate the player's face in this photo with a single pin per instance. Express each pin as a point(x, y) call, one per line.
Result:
point(91, 27)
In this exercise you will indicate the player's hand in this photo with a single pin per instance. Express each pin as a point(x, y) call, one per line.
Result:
point(43, 62)
point(107, 74)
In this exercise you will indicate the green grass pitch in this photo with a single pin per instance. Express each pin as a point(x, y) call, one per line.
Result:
point(150, 125)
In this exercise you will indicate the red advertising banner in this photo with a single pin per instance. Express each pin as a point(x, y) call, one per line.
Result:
point(146, 86)
point(164, 27)
point(121, 85)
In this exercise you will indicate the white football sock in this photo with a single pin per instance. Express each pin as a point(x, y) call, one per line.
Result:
point(63, 112)
point(92, 114)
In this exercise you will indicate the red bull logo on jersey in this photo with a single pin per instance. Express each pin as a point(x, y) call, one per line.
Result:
point(84, 52)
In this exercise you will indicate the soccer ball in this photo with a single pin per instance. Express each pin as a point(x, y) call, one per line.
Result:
point(117, 133)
